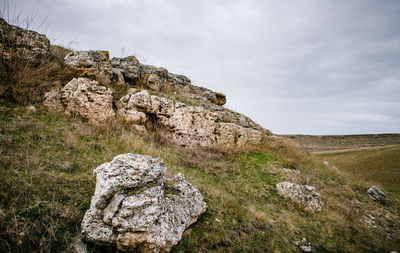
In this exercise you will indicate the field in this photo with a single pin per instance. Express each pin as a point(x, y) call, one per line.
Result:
point(380, 166)
point(321, 143)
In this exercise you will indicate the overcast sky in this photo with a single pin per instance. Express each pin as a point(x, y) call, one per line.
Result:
point(309, 67)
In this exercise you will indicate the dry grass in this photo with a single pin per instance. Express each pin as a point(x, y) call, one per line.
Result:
point(47, 162)
point(27, 76)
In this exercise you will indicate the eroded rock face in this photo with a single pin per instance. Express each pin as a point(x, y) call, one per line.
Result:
point(125, 70)
point(137, 209)
point(304, 195)
point(175, 121)
point(16, 38)
point(82, 97)
point(93, 64)
point(376, 194)
point(182, 124)
point(128, 70)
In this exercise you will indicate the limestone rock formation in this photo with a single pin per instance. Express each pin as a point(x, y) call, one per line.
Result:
point(376, 194)
point(14, 38)
point(179, 123)
point(183, 124)
point(82, 97)
point(304, 195)
point(91, 64)
point(52, 100)
point(207, 124)
point(137, 209)
point(128, 70)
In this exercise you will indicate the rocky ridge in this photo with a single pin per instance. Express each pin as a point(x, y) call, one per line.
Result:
point(202, 121)
point(157, 101)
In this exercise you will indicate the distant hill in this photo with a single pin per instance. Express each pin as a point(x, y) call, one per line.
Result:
point(321, 143)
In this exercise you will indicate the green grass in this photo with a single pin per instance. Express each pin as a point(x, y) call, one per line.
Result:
point(380, 166)
point(46, 185)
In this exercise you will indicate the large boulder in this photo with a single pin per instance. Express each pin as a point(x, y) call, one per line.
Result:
point(376, 194)
point(303, 195)
point(136, 208)
point(92, 64)
point(83, 98)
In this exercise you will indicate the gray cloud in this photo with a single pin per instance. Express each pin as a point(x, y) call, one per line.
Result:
point(316, 67)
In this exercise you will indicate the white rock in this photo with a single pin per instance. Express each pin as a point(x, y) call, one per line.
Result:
point(93, 64)
point(136, 208)
point(304, 195)
point(182, 124)
point(376, 194)
point(31, 108)
point(305, 248)
point(87, 99)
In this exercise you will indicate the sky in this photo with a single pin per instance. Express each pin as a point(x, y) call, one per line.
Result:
point(294, 67)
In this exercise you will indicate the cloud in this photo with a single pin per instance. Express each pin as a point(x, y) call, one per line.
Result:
point(306, 66)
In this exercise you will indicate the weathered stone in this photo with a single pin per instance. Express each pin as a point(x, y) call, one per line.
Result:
point(185, 125)
point(229, 116)
point(93, 64)
point(179, 81)
point(182, 124)
point(52, 100)
point(154, 82)
point(31, 108)
point(82, 97)
point(208, 95)
point(305, 248)
point(230, 134)
point(304, 195)
point(26, 42)
point(137, 209)
point(126, 70)
point(376, 194)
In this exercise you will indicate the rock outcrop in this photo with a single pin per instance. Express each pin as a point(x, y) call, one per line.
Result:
point(83, 98)
point(304, 195)
point(183, 124)
point(173, 120)
point(136, 208)
point(16, 39)
point(128, 70)
point(92, 64)
point(376, 194)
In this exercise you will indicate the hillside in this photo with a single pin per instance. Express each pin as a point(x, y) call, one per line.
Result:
point(78, 117)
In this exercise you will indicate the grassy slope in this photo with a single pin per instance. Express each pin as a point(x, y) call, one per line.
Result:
point(46, 180)
point(380, 166)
